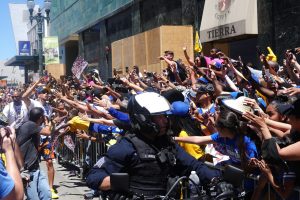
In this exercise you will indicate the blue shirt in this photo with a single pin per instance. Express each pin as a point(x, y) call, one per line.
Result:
point(212, 110)
point(6, 183)
point(124, 117)
point(105, 129)
point(229, 147)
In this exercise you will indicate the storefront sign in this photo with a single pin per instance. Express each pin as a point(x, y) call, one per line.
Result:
point(224, 31)
point(51, 50)
point(24, 48)
point(228, 18)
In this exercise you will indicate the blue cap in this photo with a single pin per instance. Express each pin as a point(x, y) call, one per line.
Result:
point(203, 80)
point(261, 102)
point(235, 95)
point(218, 65)
point(179, 108)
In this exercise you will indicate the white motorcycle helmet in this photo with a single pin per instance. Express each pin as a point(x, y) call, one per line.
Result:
point(141, 107)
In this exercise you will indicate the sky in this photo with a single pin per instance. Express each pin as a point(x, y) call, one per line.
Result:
point(7, 41)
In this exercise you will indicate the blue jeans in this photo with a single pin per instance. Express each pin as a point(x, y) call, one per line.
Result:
point(38, 187)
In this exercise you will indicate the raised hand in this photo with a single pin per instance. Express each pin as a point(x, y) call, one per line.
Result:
point(83, 116)
point(6, 139)
point(251, 102)
point(82, 134)
point(58, 94)
point(292, 91)
point(255, 120)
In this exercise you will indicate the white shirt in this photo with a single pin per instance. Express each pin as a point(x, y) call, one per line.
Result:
point(18, 114)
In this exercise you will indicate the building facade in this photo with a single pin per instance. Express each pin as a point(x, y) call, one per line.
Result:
point(89, 27)
point(26, 39)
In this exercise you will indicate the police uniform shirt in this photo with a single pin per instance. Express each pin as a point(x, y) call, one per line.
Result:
point(123, 155)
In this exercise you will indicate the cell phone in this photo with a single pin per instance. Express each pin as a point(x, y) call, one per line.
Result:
point(149, 74)
point(256, 112)
point(246, 93)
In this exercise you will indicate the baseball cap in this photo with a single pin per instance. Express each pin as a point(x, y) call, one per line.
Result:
point(41, 90)
point(173, 95)
point(208, 88)
point(179, 108)
point(237, 105)
point(218, 65)
point(289, 108)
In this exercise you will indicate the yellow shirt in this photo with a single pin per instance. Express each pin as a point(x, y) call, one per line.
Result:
point(77, 123)
point(192, 149)
point(3, 158)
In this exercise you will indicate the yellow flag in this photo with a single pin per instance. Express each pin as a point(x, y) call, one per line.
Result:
point(198, 45)
point(271, 56)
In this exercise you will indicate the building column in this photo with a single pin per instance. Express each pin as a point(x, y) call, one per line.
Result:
point(136, 18)
point(80, 45)
point(265, 23)
point(188, 11)
point(26, 74)
point(105, 53)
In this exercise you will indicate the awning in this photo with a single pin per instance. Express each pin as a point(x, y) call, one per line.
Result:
point(29, 62)
point(2, 77)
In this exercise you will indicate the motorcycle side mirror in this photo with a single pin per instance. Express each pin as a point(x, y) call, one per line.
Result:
point(119, 182)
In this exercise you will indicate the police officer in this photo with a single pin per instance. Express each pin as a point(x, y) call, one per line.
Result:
point(147, 153)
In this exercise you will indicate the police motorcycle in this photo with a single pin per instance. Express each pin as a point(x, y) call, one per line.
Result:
point(229, 186)
point(141, 108)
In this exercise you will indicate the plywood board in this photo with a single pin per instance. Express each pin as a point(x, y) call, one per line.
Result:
point(155, 68)
point(128, 52)
point(174, 38)
point(56, 70)
point(116, 53)
point(153, 46)
point(144, 49)
point(140, 49)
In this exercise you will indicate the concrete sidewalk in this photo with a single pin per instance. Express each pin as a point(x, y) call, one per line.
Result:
point(68, 186)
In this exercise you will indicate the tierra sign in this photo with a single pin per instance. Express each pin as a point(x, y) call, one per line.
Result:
point(220, 32)
point(224, 31)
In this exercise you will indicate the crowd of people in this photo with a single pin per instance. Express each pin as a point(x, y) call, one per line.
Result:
point(213, 109)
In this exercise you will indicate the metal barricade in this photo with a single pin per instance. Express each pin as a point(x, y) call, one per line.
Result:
point(85, 154)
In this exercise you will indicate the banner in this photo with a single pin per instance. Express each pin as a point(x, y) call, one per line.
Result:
point(24, 48)
point(198, 45)
point(69, 143)
point(78, 66)
point(51, 50)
